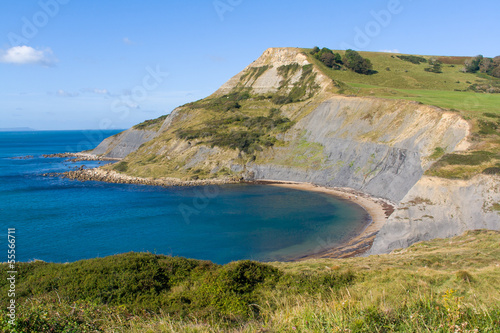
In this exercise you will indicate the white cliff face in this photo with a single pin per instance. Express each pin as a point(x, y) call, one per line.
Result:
point(440, 208)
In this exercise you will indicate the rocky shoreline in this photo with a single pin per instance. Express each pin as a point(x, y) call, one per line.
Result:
point(110, 176)
point(79, 157)
point(27, 157)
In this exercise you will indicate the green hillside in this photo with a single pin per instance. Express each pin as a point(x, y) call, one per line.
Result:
point(400, 79)
point(244, 124)
point(437, 286)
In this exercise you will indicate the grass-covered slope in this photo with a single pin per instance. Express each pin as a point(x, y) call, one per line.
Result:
point(206, 137)
point(438, 286)
point(253, 113)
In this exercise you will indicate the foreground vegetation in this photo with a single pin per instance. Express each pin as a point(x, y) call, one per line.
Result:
point(437, 286)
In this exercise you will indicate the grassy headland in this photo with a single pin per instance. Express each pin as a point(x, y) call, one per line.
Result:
point(242, 125)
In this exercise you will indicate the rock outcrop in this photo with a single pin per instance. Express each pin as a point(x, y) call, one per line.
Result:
point(124, 143)
point(110, 176)
point(441, 208)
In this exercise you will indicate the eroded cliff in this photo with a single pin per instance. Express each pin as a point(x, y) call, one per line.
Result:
point(282, 118)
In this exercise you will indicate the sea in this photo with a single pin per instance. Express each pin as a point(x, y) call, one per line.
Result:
point(61, 220)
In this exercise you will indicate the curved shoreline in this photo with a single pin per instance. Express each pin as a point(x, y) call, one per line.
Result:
point(378, 209)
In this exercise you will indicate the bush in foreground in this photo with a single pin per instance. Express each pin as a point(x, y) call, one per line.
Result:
point(432, 286)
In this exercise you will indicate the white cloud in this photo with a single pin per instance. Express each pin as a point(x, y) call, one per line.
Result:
point(132, 105)
point(96, 91)
point(390, 51)
point(21, 55)
point(127, 41)
point(64, 93)
point(101, 91)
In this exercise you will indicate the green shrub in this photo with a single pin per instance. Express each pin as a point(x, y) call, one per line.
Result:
point(490, 87)
point(231, 290)
point(492, 171)
point(151, 122)
point(315, 50)
point(288, 70)
point(248, 134)
point(434, 66)
point(280, 100)
point(229, 102)
point(254, 73)
point(488, 127)
point(472, 64)
point(355, 62)
point(473, 158)
point(413, 59)
point(438, 152)
point(135, 279)
point(121, 166)
point(491, 115)
point(328, 57)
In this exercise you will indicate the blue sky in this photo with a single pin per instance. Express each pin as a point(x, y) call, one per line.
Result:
point(75, 64)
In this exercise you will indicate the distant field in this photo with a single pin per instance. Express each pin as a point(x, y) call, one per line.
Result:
point(464, 101)
point(399, 79)
point(469, 102)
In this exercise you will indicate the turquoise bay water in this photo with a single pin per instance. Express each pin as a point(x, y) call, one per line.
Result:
point(61, 220)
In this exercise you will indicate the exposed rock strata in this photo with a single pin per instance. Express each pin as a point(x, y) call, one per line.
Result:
point(441, 208)
point(359, 144)
point(124, 143)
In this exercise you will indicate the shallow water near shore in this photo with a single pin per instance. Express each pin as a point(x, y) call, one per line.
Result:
point(61, 220)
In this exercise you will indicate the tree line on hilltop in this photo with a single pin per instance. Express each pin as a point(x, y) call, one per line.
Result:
point(351, 60)
point(354, 61)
